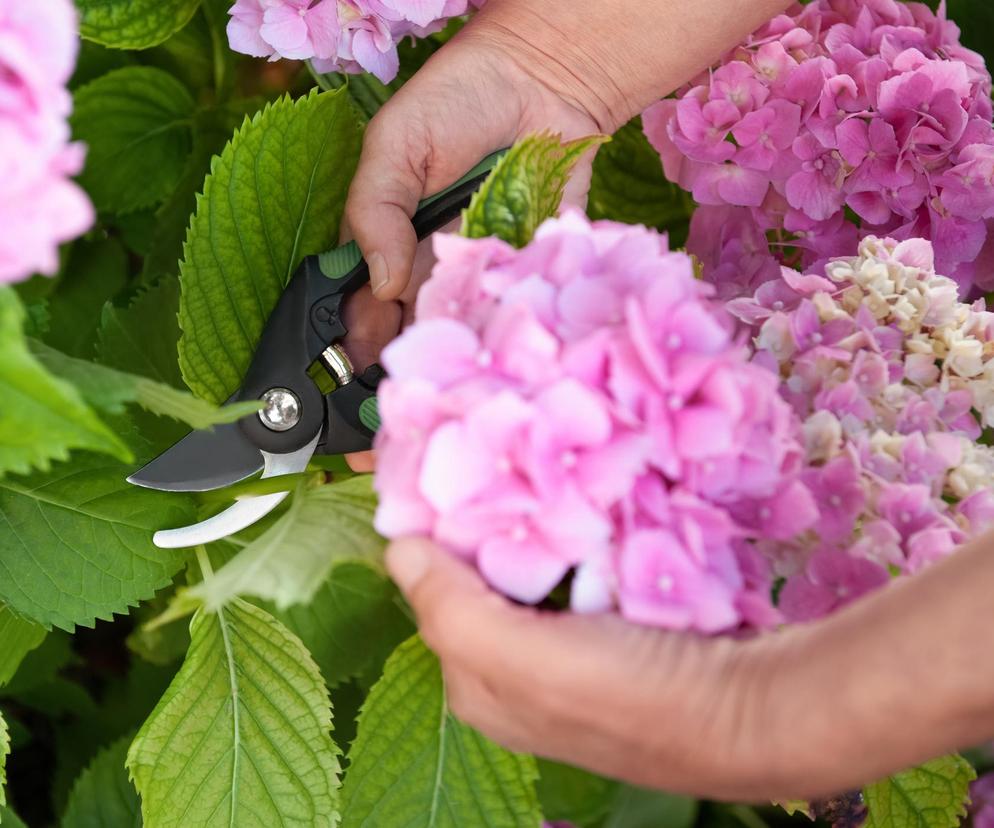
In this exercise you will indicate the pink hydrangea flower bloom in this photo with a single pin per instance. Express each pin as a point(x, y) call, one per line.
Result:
point(338, 35)
point(584, 411)
point(893, 378)
point(839, 109)
point(40, 206)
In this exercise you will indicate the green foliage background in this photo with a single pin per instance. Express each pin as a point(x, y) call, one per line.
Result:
point(273, 678)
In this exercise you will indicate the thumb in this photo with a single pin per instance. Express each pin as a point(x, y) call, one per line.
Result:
point(384, 195)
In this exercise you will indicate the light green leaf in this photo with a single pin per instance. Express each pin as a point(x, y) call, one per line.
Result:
point(525, 188)
point(288, 563)
point(18, 637)
point(133, 24)
point(933, 795)
point(9, 819)
point(108, 390)
point(413, 765)
point(241, 736)
point(275, 195)
point(137, 124)
point(141, 338)
point(96, 272)
point(628, 185)
point(352, 623)
point(4, 753)
point(572, 795)
point(76, 543)
point(42, 418)
point(103, 796)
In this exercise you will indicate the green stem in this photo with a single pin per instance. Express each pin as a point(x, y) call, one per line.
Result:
point(747, 816)
point(319, 79)
point(206, 570)
point(259, 486)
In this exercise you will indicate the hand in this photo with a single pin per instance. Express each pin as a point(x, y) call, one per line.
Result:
point(894, 680)
point(472, 98)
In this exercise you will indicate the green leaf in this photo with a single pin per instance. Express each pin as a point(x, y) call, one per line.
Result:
point(95, 273)
point(76, 543)
point(141, 338)
point(136, 122)
point(933, 795)
point(9, 819)
point(628, 185)
point(133, 24)
point(413, 765)
point(288, 563)
point(352, 623)
point(42, 418)
point(108, 390)
point(241, 736)
point(525, 188)
point(572, 795)
point(976, 19)
point(212, 128)
point(18, 637)
point(275, 195)
point(103, 796)
point(641, 808)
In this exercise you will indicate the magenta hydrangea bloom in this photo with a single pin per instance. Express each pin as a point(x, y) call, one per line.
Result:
point(40, 206)
point(582, 406)
point(982, 801)
point(339, 35)
point(893, 378)
point(836, 110)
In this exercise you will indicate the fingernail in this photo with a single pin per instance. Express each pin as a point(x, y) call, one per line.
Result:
point(379, 273)
point(407, 561)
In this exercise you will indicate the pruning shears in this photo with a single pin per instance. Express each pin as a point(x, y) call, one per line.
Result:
point(297, 420)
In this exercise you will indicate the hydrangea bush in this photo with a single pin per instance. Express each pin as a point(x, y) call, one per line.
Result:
point(338, 35)
point(837, 119)
point(543, 419)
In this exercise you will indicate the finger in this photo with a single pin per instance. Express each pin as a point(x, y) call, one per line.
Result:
point(361, 462)
point(371, 325)
point(388, 184)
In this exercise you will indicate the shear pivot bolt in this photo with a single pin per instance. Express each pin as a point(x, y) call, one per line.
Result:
point(282, 409)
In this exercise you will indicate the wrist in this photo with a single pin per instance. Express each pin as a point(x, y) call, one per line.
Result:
point(558, 60)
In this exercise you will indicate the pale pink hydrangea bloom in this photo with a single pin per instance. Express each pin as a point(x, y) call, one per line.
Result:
point(893, 378)
point(339, 35)
point(866, 106)
point(581, 405)
point(40, 206)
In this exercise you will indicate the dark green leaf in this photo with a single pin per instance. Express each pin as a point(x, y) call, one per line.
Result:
point(525, 188)
point(573, 795)
point(413, 765)
point(103, 796)
point(629, 186)
point(133, 24)
point(94, 274)
point(76, 543)
point(18, 637)
point(137, 124)
point(640, 808)
point(352, 624)
point(275, 195)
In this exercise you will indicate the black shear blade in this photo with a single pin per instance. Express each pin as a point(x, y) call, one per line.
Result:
point(202, 461)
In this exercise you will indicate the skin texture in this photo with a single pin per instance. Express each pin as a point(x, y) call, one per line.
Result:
point(896, 679)
point(893, 680)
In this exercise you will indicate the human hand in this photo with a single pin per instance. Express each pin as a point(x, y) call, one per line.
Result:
point(893, 680)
